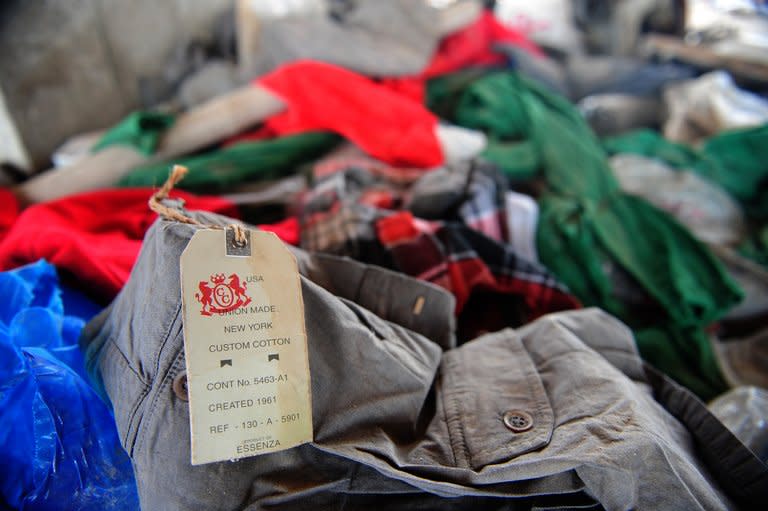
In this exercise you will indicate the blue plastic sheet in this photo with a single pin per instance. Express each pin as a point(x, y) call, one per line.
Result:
point(59, 447)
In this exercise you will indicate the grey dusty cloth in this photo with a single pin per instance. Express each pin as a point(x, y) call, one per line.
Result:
point(614, 114)
point(753, 279)
point(558, 414)
point(590, 75)
point(707, 210)
point(391, 38)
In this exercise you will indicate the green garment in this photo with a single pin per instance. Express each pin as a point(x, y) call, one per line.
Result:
point(651, 144)
point(683, 363)
point(140, 130)
point(245, 161)
point(736, 160)
point(587, 224)
point(524, 138)
point(515, 155)
point(755, 247)
point(742, 167)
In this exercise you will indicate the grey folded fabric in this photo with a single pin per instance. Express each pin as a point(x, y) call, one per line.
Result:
point(558, 414)
point(392, 38)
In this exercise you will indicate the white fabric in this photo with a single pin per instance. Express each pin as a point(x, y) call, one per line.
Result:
point(522, 220)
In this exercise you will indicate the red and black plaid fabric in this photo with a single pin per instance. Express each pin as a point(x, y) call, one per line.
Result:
point(494, 287)
point(472, 193)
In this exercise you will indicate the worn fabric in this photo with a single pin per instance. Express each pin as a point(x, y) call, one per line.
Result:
point(689, 283)
point(242, 162)
point(473, 192)
point(520, 116)
point(613, 114)
point(753, 279)
point(140, 131)
point(744, 361)
point(756, 246)
point(522, 223)
point(371, 37)
point(612, 250)
point(94, 236)
point(739, 158)
point(486, 43)
point(710, 213)
point(58, 444)
point(350, 104)
point(494, 287)
point(684, 353)
point(350, 156)
point(404, 420)
point(652, 144)
point(602, 74)
point(733, 159)
point(542, 69)
point(475, 45)
point(354, 213)
point(710, 104)
point(9, 210)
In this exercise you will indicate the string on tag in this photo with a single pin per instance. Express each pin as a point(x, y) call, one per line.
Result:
point(156, 204)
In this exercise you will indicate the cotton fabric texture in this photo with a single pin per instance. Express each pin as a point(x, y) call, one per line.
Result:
point(403, 419)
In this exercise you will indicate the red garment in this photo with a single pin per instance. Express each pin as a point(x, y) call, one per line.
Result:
point(287, 230)
point(378, 116)
point(9, 210)
point(383, 123)
point(471, 46)
point(96, 236)
point(469, 265)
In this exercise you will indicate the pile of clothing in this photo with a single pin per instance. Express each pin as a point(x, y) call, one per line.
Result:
point(586, 238)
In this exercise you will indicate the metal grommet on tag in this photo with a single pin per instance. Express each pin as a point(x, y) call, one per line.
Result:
point(518, 421)
point(180, 386)
point(238, 241)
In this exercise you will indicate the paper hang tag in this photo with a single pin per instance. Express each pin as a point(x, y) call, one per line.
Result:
point(246, 347)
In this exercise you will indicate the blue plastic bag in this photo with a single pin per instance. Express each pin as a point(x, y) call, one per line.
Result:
point(59, 447)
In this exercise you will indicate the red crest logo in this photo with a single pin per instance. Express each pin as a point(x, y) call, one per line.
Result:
point(221, 294)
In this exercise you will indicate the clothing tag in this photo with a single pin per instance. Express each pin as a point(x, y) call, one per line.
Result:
point(246, 347)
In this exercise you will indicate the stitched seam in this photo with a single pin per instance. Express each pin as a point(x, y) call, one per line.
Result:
point(166, 336)
point(172, 372)
point(541, 406)
point(458, 438)
point(127, 361)
point(460, 422)
point(163, 383)
point(386, 340)
point(447, 424)
point(130, 431)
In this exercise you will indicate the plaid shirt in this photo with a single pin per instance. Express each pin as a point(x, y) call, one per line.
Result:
point(472, 193)
point(352, 212)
